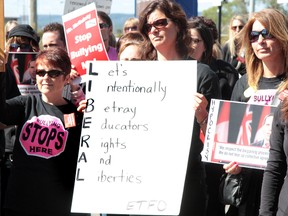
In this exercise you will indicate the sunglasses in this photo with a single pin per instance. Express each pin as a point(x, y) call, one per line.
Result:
point(23, 47)
point(254, 35)
point(51, 73)
point(132, 28)
point(103, 25)
point(158, 24)
point(235, 27)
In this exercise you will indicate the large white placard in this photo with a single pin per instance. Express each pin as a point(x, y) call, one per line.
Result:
point(136, 137)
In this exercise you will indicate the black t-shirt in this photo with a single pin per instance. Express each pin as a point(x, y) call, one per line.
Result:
point(241, 86)
point(45, 155)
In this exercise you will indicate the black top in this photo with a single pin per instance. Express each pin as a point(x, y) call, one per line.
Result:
point(253, 177)
point(45, 155)
point(234, 60)
point(275, 182)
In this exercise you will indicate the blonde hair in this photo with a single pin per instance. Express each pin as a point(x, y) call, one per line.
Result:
point(133, 21)
point(277, 25)
point(233, 40)
point(9, 25)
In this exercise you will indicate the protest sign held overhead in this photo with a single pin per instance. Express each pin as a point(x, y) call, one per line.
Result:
point(83, 37)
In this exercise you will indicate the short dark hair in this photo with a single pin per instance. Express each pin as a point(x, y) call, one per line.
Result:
point(56, 57)
point(104, 16)
point(55, 26)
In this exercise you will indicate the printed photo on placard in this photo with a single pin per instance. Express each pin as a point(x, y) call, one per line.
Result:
point(22, 65)
point(238, 132)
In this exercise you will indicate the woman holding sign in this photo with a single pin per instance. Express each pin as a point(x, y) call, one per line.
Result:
point(265, 39)
point(46, 147)
point(164, 24)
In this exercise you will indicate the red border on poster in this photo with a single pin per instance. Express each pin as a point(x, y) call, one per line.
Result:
point(238, 131)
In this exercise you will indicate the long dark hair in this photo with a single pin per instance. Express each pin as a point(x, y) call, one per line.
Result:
point(207, 37)
point(173, 11)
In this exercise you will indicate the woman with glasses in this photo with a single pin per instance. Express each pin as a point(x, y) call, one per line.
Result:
point(21, 38)
point(130, 25)
point(106, 27)
point(164, 24)
point(265, 39)
point(274, 188)
point(47, 141)
point(231, 49)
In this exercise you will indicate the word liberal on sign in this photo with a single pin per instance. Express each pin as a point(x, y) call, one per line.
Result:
point(136, 137)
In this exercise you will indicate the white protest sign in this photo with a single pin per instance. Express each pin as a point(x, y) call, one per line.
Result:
point(136, 137)
point(238, 131)
point(102, 5)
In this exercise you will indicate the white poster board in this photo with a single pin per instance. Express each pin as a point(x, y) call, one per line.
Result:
point(136, 137)
point(238, 131)
point(102, 5)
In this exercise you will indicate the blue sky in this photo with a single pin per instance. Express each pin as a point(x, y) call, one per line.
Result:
point(14, 8)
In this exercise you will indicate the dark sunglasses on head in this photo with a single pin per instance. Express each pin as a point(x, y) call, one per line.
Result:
point(103, 25)
point(254, 35)
point(51, 73)
point(158, 24)
point(23, 47)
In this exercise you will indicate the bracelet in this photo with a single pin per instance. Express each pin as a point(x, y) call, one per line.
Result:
point(204, 121)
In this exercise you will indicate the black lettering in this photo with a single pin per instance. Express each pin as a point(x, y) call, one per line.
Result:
point(51, 136)
point(25, 136)
point(58, 145)
point(37, 127)
point(42, 135)
point(84, 139)
point(90, 106)
point(86, 122)
point(77, 176)
point(82, 157)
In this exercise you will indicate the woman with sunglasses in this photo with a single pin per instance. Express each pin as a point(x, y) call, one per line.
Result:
point(265, 39)
point(274, 193)
point(164, 24)
point(47, 142)
point(231, 49)
point(21, 38)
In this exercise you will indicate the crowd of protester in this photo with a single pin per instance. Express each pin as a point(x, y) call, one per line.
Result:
point(253, 59)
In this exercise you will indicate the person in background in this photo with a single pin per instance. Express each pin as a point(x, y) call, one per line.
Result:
point(265, 132)
point(31, 73)
point(202, 44)
point(130, 25)
point(106, 28)
point(164, 24)
point(131, 46)
point(217, 49)
point(8, 26)
point(265, 40)
point(231, 49)
point(54, 36)
point(43, 174)
point(21, 38)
